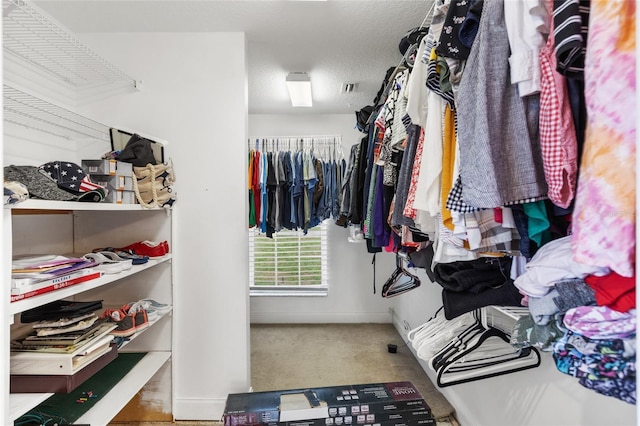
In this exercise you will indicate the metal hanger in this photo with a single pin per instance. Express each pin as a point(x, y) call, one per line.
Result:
point(400, 280)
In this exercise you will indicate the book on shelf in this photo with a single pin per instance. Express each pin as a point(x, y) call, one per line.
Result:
point(20, 279)
point(22, 285)
point(63, 322)
point(54, 311)
point(68, 335)
point(42, 262)
point(28, 342)
point(20, 294)
point(61, 360)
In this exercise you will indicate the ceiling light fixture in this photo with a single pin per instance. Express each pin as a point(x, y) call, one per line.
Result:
point(349, 87)
point(299, 85)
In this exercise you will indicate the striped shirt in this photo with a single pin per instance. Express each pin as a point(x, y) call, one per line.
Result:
point(570, 21)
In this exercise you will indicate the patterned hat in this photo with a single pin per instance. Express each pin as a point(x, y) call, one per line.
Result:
point(70, 177)
point(37, 184)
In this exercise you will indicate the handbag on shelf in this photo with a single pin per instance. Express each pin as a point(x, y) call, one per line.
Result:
point(153, 177)
point(153, 185)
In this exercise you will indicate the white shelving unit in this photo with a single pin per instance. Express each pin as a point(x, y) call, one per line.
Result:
point(89, 227)
point(42, 46)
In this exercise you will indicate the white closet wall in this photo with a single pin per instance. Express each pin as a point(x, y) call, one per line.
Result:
point(194, 95)
point(350, 298)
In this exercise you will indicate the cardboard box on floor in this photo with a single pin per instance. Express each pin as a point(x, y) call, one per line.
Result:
point(325, 406)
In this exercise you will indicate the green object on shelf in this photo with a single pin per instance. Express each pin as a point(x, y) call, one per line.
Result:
point(66, 408)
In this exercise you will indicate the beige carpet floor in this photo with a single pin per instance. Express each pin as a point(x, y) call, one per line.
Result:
point(315, 355)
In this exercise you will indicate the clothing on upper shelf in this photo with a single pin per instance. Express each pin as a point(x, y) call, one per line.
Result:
point(614, 291)
point(552, 263)
point(605, 365)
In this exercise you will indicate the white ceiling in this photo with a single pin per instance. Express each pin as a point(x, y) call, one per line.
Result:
point(334, 41)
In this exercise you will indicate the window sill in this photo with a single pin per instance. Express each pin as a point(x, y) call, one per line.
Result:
point(315, 292)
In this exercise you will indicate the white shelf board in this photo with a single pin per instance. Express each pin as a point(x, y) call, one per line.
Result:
point(33, 302)
point(20, 403)
point(33, 204)
point(111, 403)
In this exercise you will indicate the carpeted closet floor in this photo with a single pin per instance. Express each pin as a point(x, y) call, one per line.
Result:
point(315, 355)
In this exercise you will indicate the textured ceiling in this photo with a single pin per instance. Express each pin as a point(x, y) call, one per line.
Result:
point(334, 41)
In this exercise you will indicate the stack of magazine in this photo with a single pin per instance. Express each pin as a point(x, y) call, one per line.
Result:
point(61, 346)
point(34, 275)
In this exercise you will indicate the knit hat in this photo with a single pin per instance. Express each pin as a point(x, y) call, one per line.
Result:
point(72, 178)
point(38, 185)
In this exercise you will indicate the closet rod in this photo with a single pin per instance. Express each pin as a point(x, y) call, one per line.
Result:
point(295, 137)
point(330, 140)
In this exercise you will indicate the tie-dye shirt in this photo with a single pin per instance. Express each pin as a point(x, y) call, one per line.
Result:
point(604, 215)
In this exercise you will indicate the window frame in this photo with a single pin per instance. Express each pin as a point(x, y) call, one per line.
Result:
point(321, 289)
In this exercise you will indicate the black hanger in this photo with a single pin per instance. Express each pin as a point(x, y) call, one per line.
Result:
point(458, 343)
point(400, 280)
point(450, 361)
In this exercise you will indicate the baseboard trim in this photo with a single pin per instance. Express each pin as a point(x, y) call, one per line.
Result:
point(319, 318)
point(210, 409)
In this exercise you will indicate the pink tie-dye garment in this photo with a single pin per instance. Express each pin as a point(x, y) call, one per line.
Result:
point(604, 215)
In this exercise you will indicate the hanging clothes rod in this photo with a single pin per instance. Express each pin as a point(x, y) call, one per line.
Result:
point(429, 13)
point(296, 137)
point(295, 141)
point(324, 146)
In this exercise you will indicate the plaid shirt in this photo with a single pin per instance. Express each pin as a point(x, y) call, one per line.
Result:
point(557, 132)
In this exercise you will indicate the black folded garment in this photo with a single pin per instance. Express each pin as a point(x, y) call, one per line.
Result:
point(457, 303)
point(473, 275)
point(423, 259)
point(60, 309)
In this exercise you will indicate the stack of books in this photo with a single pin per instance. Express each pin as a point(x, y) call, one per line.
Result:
point(34, 275)
point(56, 355)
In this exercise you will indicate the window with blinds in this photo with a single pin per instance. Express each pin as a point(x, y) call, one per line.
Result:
point(288, 264)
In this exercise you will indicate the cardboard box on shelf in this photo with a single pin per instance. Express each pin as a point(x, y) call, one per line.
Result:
point(114, 182)
point(323, 404)
point(107, 167)
point(120, 197)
